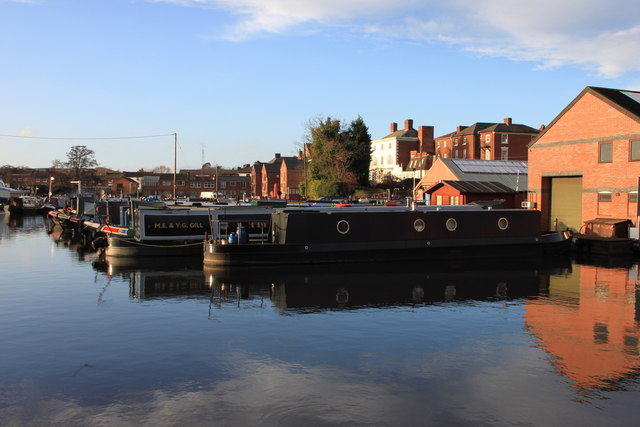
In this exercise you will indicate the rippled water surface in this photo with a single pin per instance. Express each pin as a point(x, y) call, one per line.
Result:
point(122, 342)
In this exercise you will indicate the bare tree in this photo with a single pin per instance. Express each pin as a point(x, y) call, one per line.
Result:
point(80, 158)
point(161, 169)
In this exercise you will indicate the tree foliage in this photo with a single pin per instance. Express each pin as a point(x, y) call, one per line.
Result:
point(79, 159)
point(339, 156)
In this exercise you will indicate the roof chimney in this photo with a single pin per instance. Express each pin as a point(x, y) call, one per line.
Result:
point(459, 128)
point(542, 127)
point(408, 124)
point(394, 127)
point(507, 121)
point(277, 155)
point(426, 141)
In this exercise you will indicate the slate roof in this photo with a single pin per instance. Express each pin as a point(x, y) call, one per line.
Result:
point(511, 173)
point(293, 163)
point(477, 128)
point(402, 133)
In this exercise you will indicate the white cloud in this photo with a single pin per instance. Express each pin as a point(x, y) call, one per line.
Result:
point(602, 35)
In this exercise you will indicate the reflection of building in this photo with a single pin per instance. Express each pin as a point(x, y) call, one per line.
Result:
point(589, 324)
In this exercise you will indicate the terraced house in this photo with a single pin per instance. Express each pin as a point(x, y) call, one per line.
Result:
point(487, 141)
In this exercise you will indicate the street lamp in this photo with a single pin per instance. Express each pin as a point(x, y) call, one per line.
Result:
point(51, 178)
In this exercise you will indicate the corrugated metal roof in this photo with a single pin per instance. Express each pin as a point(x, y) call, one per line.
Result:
point(512, 173)
point(480, 187)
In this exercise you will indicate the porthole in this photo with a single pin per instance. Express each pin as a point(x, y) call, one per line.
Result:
point(503, 223)
point(418, 224)
point(452, 224)
point(343, 226)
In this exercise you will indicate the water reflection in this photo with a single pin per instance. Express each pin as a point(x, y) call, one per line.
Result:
point(588, 323)
point(298, 289)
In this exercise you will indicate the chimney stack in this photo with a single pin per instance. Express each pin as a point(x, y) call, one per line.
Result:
point(408, 124)
point(277, 155)
point(507, 121)
point(394, 127)
point(459, 128)
point(426, 141)
point(542, 127)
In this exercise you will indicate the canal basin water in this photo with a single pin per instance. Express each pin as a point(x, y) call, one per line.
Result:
point(87, 341)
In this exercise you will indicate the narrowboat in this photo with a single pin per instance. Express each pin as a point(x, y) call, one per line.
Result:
point(350, 234)
point(180, 230)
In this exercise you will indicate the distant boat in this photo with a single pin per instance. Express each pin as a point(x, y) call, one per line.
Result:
point(7, 193)
point(25, 205)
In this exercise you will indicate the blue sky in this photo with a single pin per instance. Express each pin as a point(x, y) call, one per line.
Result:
point(241, 78)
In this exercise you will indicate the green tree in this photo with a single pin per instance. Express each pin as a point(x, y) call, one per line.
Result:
point(339, 157)
point(80, 159)
point(359, 147)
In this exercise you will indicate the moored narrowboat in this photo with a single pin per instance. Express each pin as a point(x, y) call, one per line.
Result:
point(337, 235)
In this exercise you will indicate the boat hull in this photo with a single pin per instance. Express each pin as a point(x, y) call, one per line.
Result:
point(129, 247)
point(451, 250)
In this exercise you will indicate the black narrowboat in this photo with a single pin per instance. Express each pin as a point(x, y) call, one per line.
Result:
point(338, 235)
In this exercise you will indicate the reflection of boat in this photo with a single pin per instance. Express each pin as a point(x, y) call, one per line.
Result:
point(335, 235)
point(387, 284)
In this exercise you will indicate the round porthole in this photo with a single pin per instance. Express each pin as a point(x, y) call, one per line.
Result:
point(503, 223)
point(452, 224)
point(418, 224)
point(343, 226)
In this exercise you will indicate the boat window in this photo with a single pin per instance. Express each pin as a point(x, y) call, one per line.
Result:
point(503, 223)
point(452, 224)
point(418, 224)
point(343, 226)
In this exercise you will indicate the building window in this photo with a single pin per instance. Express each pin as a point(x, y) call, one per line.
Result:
point(455, 154)
point(487, 139)
point(223, 184)
point(209, 185)
point(464, 153)
point(437, 144)
point(389, 146)
point(180, 183)
point(455, 141)
point(445, 144)
point(505, 138)
point(633, 197)
point(166, 183)
point(604, 197)
point(390, 160)
point(504, 153)
point(634, 150)
point(464, 141)
point(196, 184)
point(487, 154)
point(606, 152)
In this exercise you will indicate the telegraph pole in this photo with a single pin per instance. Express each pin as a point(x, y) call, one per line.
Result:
point(175, 165)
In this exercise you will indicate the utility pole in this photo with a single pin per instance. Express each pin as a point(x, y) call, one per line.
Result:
point(175, 165)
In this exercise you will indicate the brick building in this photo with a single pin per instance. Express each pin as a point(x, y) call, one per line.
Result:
point(391, 156)
point(291, 175)
point(487, 141)
point(586, 163)
point(492, 174)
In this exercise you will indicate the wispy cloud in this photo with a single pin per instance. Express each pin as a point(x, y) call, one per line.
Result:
point(600, 35)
